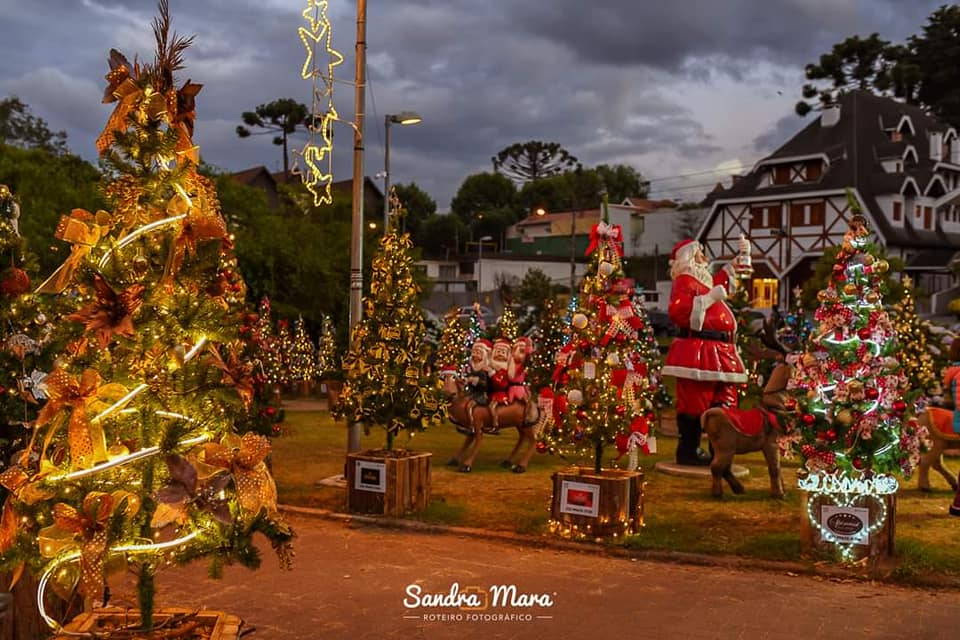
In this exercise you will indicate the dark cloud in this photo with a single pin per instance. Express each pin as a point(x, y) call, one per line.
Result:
point(779, 132)
point(599, 78)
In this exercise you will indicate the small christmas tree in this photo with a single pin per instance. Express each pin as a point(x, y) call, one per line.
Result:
point(303, 365)
point(387, 383)
point(605, 383)
point(268, 358)
point(508, 327)
point(648, 350)
point(328, 355)
point(912, 338)
point(551, 336)
point(265, 416)
point(284, 348)
point(851, 393)
point(134, 462)
point(452, 352)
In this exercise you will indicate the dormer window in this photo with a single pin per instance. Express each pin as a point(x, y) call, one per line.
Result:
point(896, 136)
point(814, 170)
point(781, 174)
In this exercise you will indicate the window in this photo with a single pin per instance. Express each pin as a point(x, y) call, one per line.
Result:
point(814, 170)
point(637, 225)
point(781, 174)
point(805, 214)
point(897, 211)
point(448, 271)
point(765, 292)
point(896, 136)
point(928, 217)
point(765, 217)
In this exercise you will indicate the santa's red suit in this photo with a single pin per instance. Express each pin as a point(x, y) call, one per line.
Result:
point(703, 357)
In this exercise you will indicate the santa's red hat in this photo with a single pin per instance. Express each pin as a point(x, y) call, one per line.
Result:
point(680, 246)
point(482, 342)
point(502, 341)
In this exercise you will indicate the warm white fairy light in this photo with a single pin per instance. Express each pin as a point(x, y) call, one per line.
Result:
point(133, 235)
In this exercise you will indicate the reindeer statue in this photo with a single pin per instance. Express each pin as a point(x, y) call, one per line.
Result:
point(733, 431)
point(939, 423)
point(477, 413)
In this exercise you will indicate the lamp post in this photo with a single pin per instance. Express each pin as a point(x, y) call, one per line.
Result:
point(480, 264)
point(402, 118)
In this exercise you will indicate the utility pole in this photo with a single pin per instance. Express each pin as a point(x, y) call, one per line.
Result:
point(356, 231)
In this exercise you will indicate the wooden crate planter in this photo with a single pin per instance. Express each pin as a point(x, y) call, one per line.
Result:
point(213, 625)
point(390, 485)
point(878, 543)
point(590, 505)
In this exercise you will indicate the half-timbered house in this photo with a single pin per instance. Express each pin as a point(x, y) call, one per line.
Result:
point(901, 164)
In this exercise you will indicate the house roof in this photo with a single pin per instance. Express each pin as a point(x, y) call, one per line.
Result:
point(854, 147)
point(560, 221)
point(247, 176)
point(644, 205)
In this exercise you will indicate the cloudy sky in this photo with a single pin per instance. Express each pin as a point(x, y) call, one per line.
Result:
point(685, 91)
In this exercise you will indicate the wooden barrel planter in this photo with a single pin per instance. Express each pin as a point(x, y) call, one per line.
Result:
point(389, 483)
point(590, 505)
point(864, 527)
point(334, 387)
point(168, 623)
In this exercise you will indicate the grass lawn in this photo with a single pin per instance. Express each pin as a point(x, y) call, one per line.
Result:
point(680, 514)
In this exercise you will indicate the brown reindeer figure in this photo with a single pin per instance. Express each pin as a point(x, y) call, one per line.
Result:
point(733, 431)
point(474, 421)
point(939, 423)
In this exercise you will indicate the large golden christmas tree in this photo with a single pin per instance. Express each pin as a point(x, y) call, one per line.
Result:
point(134, 461)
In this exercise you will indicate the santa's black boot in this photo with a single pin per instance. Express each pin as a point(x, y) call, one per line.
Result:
point(689, 452)
point(955, 507)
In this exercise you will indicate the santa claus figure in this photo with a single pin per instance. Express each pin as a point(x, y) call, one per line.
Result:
point(477, 381)
point(703, 357)
point(500, 376)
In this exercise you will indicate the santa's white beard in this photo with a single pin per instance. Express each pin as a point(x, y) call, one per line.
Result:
point(697, 270)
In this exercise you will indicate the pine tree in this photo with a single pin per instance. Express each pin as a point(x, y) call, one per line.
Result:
point(912, 338)
point(606, 384)
point(452, 351)
point(134, 460)
point(388, 383)
point(328, 355)
point(303, 365)
point(851, 393)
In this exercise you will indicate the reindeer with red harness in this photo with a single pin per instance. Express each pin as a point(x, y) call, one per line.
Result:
point(734, 431)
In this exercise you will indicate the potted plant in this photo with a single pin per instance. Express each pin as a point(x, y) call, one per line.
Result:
point(387, 385)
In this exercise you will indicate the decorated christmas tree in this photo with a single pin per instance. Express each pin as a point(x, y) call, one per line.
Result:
point(303, 365)
point(24, 335)
point(550, 337)
point(914, 354)
point(268, 358)
point(285, 348)
point(264, 415)
point(853, 398)
point(452, 351)
point(387, 383)
point(134, 462)
point(649, 351)
point(507, 327)
point(607, 387)
point(796, 327)
point(328, 355)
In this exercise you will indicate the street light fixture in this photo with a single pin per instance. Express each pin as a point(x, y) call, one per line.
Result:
point(402, 118)
point(480, 264)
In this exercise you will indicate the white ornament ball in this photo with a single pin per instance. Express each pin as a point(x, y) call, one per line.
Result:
point(579, 321)
point(605, 269)
point(41, 319)
point(574, 396)
point(613, 359)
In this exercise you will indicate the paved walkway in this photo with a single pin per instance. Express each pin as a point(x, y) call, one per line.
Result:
point(351, 581)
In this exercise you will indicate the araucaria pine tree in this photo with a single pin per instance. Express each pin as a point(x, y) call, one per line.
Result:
point(853, 399)
point(328, 355)
point(303, 366)
point(452, 351)
point(607, 386)
point(387, 381)
point(912, 338)
point(134, 462)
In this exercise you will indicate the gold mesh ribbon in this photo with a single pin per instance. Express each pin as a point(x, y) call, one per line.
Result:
point(244, 457)
point(89, 524)
point(83, 230)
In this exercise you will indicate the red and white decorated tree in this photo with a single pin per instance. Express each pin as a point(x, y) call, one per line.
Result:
point(605, 384)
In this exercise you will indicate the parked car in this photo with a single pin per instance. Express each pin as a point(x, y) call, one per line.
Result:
point(660, 321)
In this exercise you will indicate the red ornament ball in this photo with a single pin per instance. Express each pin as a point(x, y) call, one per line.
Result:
point(14, 282)
point(584, 344)
point(270, 411)
point(620, 339)
point(620, 410)
point(899, 406)
point(864, 334)
point(858, 463)
point(581, 414)
point(831, 434)
point(872, 393)
point(808, 419)
point(541, 447)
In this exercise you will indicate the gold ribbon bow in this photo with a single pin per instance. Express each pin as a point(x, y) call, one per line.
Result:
point(82, 229)
point(121, 88)
point(237, 373)
point(244, 457)
point(85, 437)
